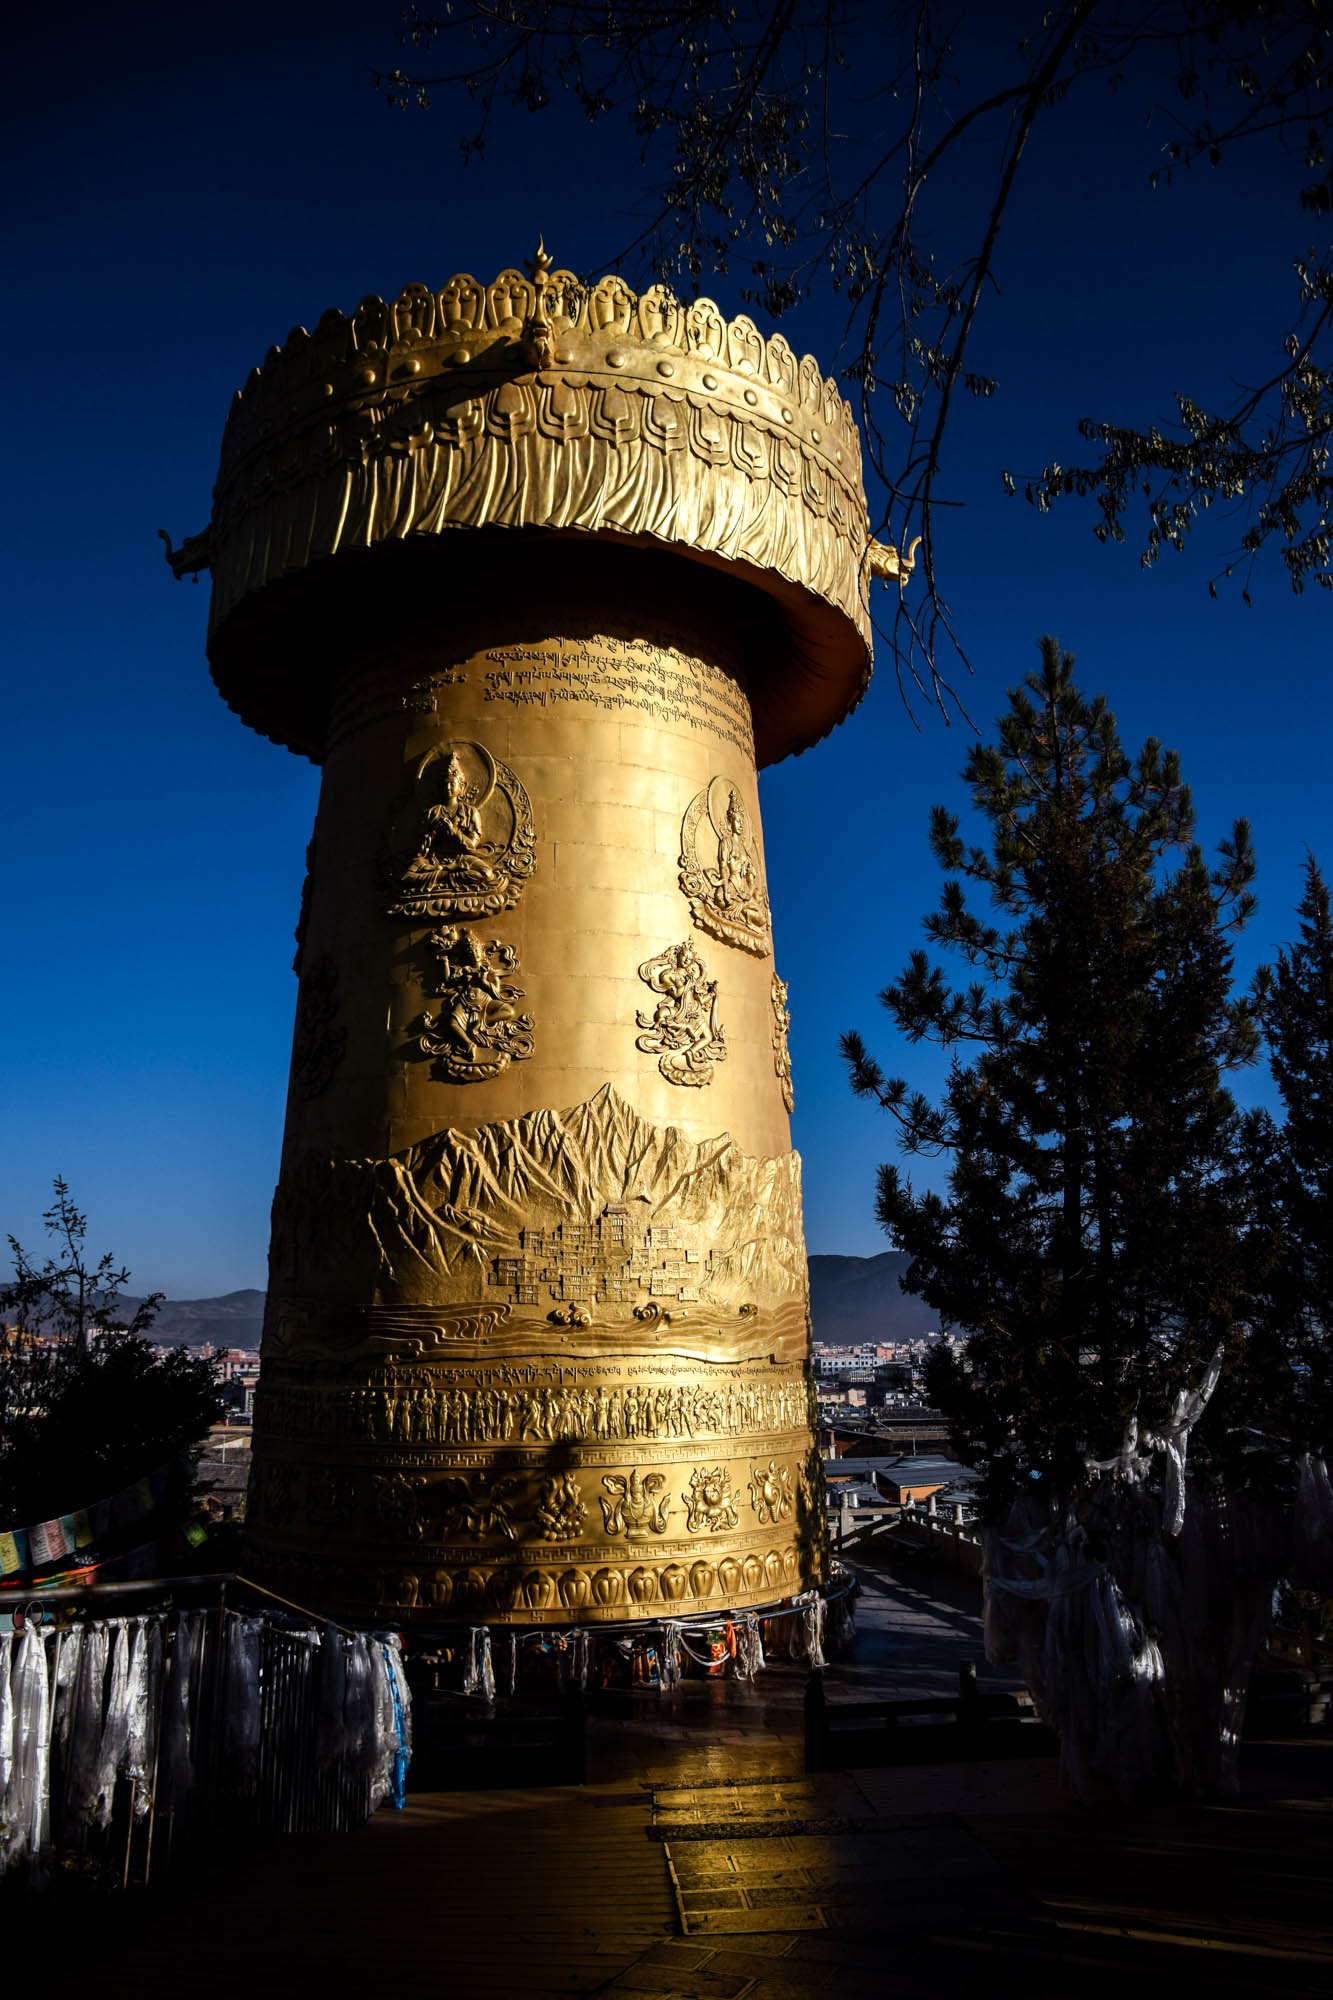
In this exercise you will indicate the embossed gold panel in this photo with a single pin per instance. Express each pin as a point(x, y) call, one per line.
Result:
point(600, 1487)
point(538, 574)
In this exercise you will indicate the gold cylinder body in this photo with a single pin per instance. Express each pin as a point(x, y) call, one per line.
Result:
point(537, 1343)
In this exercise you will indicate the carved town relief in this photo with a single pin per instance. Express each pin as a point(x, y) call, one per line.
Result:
point(719, 869)
point(479, 1031)
point(318, 1044)
point(592, 1204)
point(781, 1028)
point(683, 1030)
point(464, 846)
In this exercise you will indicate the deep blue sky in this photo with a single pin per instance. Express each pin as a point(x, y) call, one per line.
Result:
point(184, 186)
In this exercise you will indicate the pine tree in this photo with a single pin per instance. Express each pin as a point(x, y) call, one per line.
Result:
point(1088, 1247)
point(1297, 1176)
point(1095, 1243)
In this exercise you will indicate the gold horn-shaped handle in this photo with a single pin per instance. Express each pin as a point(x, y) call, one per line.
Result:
point(194, 553)
point(886, 562)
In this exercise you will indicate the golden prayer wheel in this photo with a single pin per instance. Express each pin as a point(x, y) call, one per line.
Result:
point(540, 575)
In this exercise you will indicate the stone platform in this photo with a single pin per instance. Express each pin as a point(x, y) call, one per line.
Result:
point(699, 1860)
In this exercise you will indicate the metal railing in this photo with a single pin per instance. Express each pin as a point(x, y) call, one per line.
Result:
point(135, 1731)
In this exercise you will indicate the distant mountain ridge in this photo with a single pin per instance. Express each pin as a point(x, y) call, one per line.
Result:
point(234, 1320)
point(852, 1299)
point(855, 1299)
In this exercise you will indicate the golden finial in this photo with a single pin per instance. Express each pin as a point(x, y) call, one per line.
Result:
point(538, 333)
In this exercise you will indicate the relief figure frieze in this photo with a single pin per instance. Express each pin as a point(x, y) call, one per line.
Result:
point(578, 1413)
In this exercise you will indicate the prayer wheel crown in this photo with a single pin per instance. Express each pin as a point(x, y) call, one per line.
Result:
point(540, 403)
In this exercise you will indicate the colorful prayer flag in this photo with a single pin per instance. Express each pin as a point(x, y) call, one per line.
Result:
point(13, 1550)
point(47, 1542)
point(83, 1528)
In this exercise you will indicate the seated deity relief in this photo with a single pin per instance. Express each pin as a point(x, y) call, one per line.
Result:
point(465, 844)
point(719, 869)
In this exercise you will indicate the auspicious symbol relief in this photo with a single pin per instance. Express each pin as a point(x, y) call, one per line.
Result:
point(397, 1503)
point(468, 845)
point(561, 1508)
point(487, 1511)
point(719, 869)
point(317, 1047)
point(781, 1027)
point(634, 1509)
point(771, 1494)
point(683, 1030)
point(479, 1030)
point(709, 1503)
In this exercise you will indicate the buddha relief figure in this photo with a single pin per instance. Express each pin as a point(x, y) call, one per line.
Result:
point(468, 847)
point(479, 1030)
point(719, 869)
point(454, 826)
point(781, 1030)
point(683, 1030)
